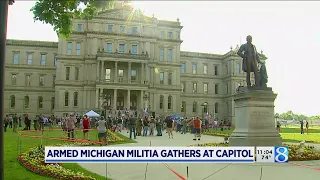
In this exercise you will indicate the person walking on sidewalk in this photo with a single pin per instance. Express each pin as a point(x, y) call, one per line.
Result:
point(71, 121)
point(197, 126)
point(169, 127)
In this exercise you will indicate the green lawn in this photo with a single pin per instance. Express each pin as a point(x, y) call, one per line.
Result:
point(13, 170)
point(288, 134)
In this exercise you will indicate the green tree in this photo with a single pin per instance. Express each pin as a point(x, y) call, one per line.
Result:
point(60, 13)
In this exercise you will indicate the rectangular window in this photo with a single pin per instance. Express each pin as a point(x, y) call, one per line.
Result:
point(43, 59)
point(28, 80)
point(41, 80)
point(121, 48)
point(194, 88)
point(134, 30)
point(134, 49)
point(170, 55)
point(183, 68)
point(108, 74)
point(205, 69)
point(13, 79)
point(120, 72)
point(170, 35)
point(55, 60)
point(109, 48)
point(110, 27)
point(216, 89)
point(161, 54)
point(194, 68)
point(183, 87)
point(67, 73)
point(162, 34)
point(69, 48)
point(78, 49)
point(53, 81)
point(161, 77)
point(122, 29)
point(29, 58)
point(205, 88)
point(76, 73)
point(16, 58)
point(80, 27)
point(133, 75)
point(170, 79)
point(238, 68)
point(215, 70)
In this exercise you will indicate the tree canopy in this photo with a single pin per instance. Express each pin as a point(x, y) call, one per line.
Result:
point(60, 13)
point(290, 115)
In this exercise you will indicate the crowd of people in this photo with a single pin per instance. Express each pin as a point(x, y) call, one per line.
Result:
point(134, 124)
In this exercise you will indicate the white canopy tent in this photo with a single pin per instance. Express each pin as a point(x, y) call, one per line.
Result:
point(92, 114)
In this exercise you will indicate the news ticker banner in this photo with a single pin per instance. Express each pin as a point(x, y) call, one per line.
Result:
point(107, 154)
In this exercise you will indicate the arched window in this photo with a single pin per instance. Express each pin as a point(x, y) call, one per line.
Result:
point(75, 98)
point(183, 106)
point(12, 101)
point(26, 102)
point(216, 108)
point(40, 102)
point(194, 107)
point(161, 101)
point(205, 107)
point(53, 102)
point(169, 102)
point(66, 99)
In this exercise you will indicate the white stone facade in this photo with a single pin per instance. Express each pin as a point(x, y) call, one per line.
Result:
point(134, 59)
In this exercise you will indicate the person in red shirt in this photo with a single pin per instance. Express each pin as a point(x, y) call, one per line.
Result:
point(197, 126)
point(86, 127)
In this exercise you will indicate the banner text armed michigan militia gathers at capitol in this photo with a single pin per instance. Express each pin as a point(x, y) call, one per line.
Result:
point(149, 154)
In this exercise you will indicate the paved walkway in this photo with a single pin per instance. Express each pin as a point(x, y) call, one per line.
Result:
point(309, 170)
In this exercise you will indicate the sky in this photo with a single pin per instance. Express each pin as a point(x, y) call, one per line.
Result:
point(288, 33)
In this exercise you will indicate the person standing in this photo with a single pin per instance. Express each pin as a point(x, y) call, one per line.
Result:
point(151, 126)
point(132, 127)
point(184, 126)
point(86, 126)
point(15, 122)
point(145, 126)
point(301, 127)
point(10, 121)
point(6, 122)
point(102, 131)
point(197, 126)
point(159, 127)
point(27, 122)
point(71, 121)
point(307, 127)
point(169, 127)
point(20, 121)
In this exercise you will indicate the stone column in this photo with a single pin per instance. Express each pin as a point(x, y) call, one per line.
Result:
point(141, 100)
point(97, 97)
point(84, 99)
point(115, 72)
point(151, 75)
point(129, 72)
point(114, 103)
point(128, 99)
point(147, 73)
point(100, 97)
point(142, 75)
point(102, 70)
point(98, 63)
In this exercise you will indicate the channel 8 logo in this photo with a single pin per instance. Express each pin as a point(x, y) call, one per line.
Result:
point(281, 154)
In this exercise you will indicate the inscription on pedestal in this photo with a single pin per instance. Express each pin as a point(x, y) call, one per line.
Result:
point(260, 119)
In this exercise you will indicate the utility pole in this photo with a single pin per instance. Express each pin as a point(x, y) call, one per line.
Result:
point(3, 38)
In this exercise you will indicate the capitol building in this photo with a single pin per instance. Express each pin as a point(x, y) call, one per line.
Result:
point(121, 59)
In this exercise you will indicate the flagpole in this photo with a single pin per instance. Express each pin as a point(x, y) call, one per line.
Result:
point(3, 37)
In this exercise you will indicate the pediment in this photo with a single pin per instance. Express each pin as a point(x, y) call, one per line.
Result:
point(125, 13)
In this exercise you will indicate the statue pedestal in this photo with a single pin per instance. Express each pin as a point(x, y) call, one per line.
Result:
point(254, 118)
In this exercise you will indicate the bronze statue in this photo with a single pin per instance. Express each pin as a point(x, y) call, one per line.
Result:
point(250, 58)
point(263, 75)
